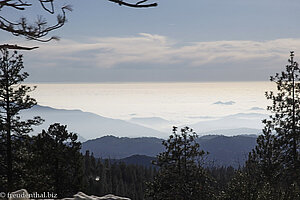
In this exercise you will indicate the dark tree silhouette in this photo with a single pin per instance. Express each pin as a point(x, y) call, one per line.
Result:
point(285, 120)
point(13, 99)
point(181, 174)
point(272, 170)
point(103, 176)
point(56, 163)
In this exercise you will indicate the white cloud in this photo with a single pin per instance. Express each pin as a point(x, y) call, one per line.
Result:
point(156, 49)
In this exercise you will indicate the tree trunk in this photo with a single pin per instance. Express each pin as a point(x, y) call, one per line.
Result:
point(8, 134)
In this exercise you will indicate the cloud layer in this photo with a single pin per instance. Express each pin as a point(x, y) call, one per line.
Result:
point(143, 48)
point(160, 52)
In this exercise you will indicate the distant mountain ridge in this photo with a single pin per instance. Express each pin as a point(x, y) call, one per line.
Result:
point(223, 150)
point(246, 121)
point(122, 147)
point(229, 125)
point(86, 124)
point(89, 125)
point(236, 131)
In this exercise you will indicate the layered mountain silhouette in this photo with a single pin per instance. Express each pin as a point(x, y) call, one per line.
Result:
point(88, 125)
point(246, 121)
point(223, 150)
point(122, 147)
point(133, 138)
point(236, 124)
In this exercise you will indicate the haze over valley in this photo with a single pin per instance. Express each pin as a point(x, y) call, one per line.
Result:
point(152, 109)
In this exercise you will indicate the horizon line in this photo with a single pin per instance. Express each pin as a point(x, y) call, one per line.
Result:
point(141, 82)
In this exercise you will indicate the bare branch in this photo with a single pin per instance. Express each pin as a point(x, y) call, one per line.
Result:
point(140, 2)
point(43, 2)
point(40, 29)
point(137, 5)
point(16, 47)
point(19, 5)
point(36, 31)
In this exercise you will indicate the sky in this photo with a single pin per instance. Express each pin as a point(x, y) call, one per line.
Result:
point(193, 40)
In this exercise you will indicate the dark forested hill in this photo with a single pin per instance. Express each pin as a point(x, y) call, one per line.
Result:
point(121, 147)
point(138, 160)
point(223, 150)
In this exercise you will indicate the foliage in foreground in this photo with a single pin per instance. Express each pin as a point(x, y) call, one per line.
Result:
point(50, 161)
point(106, 176)
point(181, 174)
point(273, 167)
point(14, 97)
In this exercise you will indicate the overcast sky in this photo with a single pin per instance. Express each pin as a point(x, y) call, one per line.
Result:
point(180, 40)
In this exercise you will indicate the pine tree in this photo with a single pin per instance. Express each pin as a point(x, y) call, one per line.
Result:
point(273, 167)
point(116, 177)
point(57, 159)
point(181, 175)
point(284, 127)
point(13, 99)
